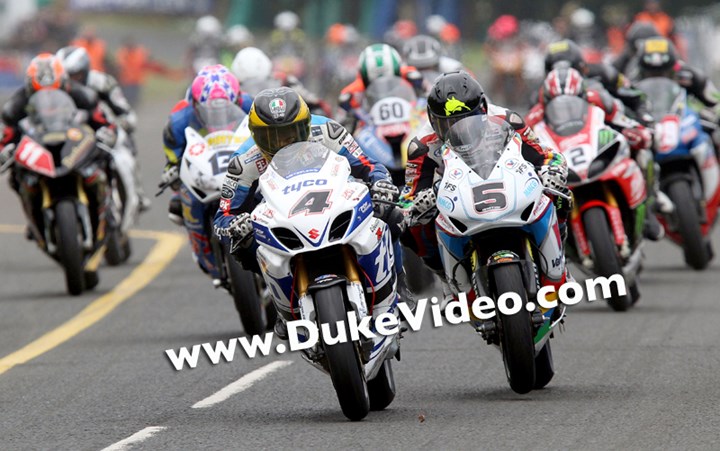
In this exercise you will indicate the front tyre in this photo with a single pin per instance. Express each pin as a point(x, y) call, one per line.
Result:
point(516, 331)
point(604, 253)
point(346, 372)
point(696, 251)
point(69, 246)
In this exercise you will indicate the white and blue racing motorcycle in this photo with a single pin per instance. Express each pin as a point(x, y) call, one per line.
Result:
point(492, 229)
point(323, 255)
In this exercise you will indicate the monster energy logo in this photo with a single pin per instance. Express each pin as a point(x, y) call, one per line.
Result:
point(605, 137)
point(453, 105)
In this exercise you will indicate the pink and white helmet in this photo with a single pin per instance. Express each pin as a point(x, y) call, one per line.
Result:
point(215, 82)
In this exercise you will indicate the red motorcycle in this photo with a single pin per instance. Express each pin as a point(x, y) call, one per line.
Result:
point(607, 219)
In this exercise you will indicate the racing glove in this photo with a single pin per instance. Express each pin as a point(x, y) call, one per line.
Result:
point(170, 177)
point(638, 137)
point(107, 136)
point(241, 230)
point(423, 210)
point(6, 154)
point(383, 191)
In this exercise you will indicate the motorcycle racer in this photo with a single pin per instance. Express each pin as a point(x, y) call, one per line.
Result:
point(252, 65)
point(280, 117)
point(564, 80)
point(77, 64)
point(212, 82)
point(454, 96)
point(375, 61)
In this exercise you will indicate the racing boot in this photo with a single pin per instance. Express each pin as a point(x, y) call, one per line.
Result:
point(175, 210)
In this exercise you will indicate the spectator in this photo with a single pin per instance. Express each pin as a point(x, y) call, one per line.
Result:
point(134, 62)
point(95, 48)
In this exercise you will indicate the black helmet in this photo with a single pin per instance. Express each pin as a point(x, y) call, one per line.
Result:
point(423, 52)
point(656, 56)
point(454, 95)
point(278, 117)
point(639, 31)
point(565, 50)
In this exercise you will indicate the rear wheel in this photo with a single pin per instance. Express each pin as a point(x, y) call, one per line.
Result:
point(346, 372)
point(516, 331)
point(688, 222)
point(69, 246)
point(247, 298)
point(382, 388)
point(117, 248)
point(605, 254)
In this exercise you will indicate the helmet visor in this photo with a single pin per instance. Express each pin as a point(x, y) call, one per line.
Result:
point(272, 139)
point(219, 114)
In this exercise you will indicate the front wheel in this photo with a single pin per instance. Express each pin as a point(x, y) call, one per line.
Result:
point(516, 332)
point(346, 372)
point(69, 246)
point(604, 253)
point(688, 222)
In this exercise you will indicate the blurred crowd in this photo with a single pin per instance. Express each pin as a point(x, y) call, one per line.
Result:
point(508, 58)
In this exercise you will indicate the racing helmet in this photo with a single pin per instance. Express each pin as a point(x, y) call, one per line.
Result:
point(563, 80)
point(76, 62)
point(45, 72)
point(251, 63)
point(656, 57)
point(278, 117)
point(565, 50)
point(378, 60)
point(423, 52)
point(455, 95)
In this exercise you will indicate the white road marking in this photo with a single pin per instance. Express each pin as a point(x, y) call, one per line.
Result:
point(241, 384)
point(136, 438)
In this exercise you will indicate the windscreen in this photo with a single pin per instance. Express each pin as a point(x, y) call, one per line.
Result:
point(566, 115)
point(299, 158)
point(480, 141)
point(388, 86)
point(664, 95)
point(52, 110)
point(219, 114)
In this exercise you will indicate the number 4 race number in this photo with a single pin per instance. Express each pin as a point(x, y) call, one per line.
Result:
point(313, 202)
point(489, 197)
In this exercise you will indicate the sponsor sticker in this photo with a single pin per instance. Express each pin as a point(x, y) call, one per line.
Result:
point(446, 203)
point(456, 174)
point(74, 134)
point(261, 165)
point(277, 107)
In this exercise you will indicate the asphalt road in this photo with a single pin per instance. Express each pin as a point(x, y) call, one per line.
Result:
point(645, 379)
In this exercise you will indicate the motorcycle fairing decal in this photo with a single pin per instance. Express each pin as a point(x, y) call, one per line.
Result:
point(35, 157)
point(455, 245)
point(263, 235)
point(539, 229)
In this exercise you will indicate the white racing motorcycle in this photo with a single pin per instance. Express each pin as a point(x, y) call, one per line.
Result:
point(488, 197)
point(125, 199)
point(323, 255)
point(202, 172)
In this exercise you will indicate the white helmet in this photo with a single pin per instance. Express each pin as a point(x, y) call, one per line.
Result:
point(251, 63)
point(287, 21)
point(435, 24)
point(208, 26)
point(582, 18)
point(239, 36)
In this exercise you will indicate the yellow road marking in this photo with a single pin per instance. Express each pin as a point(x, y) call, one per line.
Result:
point(162, 253)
